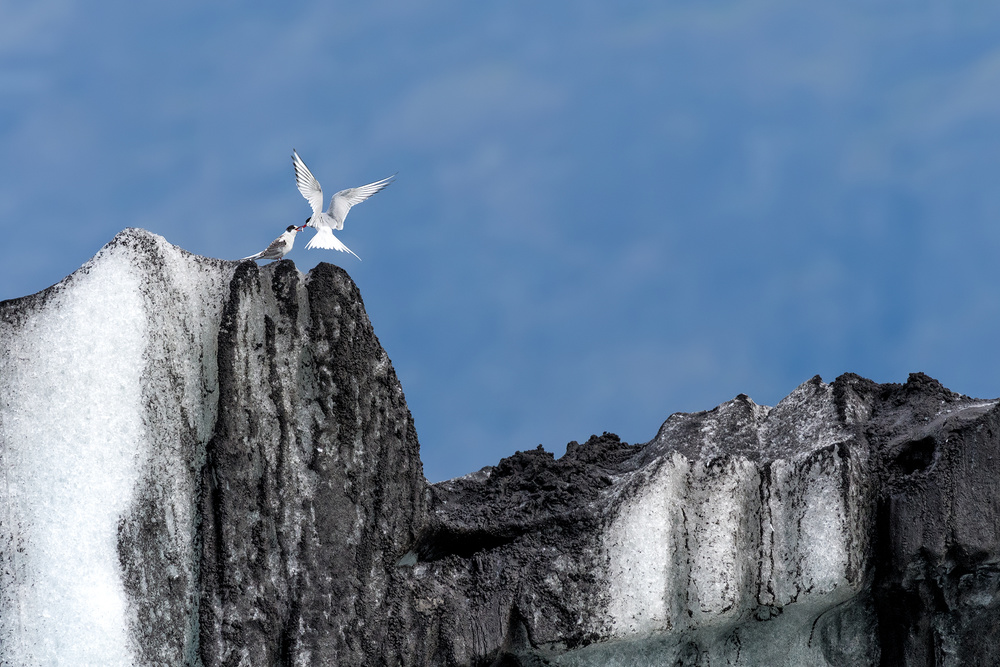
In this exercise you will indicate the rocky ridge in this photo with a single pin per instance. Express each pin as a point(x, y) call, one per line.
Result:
point(228, 454)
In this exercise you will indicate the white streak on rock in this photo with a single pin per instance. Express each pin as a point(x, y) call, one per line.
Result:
point(735, 555)
point(73, 434)
point(642, 549)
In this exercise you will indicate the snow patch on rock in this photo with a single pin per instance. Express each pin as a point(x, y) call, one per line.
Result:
point(73, 444)
point(742, 548)
point(109, 380)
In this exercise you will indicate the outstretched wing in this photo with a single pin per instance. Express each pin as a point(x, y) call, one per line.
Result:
point(342, 202)
point(307, 184)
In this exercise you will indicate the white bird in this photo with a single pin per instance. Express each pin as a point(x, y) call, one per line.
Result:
point(340, 204)
point(280, 246)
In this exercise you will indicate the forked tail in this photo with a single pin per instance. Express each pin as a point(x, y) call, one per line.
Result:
point(325, 239)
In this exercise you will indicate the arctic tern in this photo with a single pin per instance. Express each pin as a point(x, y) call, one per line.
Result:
point(280, 246)
point(325, 222)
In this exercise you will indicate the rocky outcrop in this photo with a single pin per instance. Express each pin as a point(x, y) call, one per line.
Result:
point(212, 463)
point(937, 553)
point(312, 486)
point(852, 524)
point(737, 536)
point(205, 463)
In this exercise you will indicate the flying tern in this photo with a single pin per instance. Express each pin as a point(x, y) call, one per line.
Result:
point(280, 246)
point(340, 204)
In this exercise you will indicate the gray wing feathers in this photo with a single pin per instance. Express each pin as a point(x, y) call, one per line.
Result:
point(342, 202)
point(274, 251)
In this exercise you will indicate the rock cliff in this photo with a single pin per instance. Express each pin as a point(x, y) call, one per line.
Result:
point(212, 463)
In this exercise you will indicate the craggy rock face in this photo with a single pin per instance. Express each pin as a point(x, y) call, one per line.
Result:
point(205, 463)
point(852, 524)
point(728, 539)
point(937, 555)
point(312, 483)
point(210, 463)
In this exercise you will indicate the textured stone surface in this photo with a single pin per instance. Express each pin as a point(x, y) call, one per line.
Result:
point(212, 463)
point(109, 394)
point(313, 481)
point(261, 484)
point(937, 558)
point(724, 540)
point(852, 524)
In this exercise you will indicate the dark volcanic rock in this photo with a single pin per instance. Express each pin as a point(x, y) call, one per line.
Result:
point(724, 539)
point(313, 481)
point(851, 524)
point(212, 463)
point(937, 564)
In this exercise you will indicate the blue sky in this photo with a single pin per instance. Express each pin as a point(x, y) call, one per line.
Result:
point(605, 212)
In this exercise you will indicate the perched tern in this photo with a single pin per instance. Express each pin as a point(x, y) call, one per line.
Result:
point(340, 204)
point(280, 246)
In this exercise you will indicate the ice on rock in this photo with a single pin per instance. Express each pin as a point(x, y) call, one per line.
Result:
point(712, 548)
point(73, 433)
point(78, 440)
point(208, 463)
point(642, 545)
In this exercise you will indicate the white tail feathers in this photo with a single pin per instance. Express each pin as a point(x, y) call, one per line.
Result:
point(325, 239)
